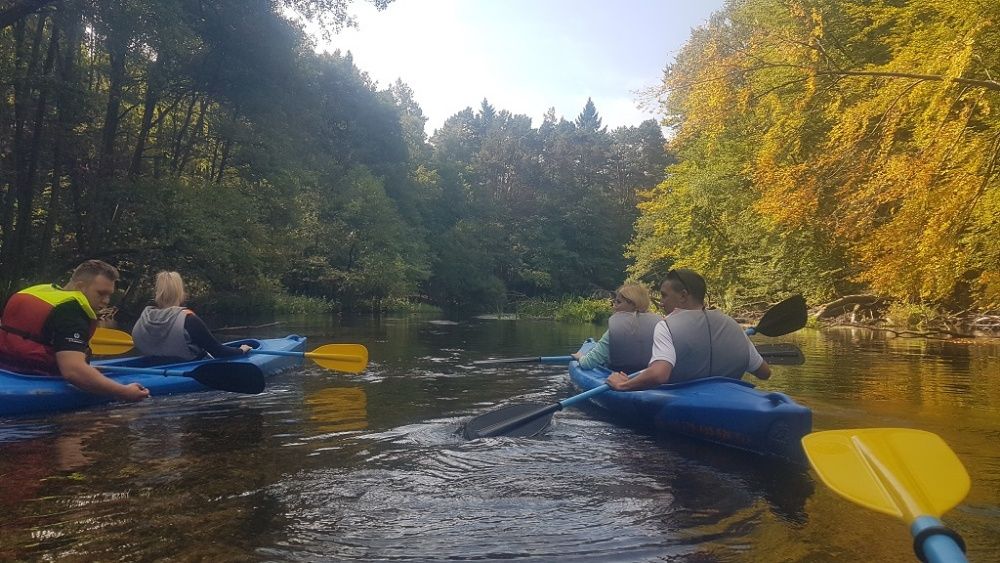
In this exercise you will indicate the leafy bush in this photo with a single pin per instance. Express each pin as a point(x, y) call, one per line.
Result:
point(910, 315)
point(585, 310)
point(302, 304)
point(536, 308)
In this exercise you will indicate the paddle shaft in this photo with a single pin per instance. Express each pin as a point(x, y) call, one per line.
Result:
point(527, 360)
point(342, 357)
point(933, 539)
point(150, 371)
point(506, 426)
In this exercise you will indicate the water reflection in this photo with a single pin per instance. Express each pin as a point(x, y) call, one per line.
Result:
point(338, 409)
point(331, 466)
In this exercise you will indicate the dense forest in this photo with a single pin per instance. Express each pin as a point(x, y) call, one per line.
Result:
point(210, 138)
point(814, 146)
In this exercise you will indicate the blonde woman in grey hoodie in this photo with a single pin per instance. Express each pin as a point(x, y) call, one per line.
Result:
point(170, 331)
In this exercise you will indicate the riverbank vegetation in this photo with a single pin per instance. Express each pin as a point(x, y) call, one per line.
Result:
point(813, 147)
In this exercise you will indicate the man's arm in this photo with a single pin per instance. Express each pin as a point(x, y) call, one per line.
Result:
point(655, 375)
point(763, 372)
point(74, 368)
point(757, 366)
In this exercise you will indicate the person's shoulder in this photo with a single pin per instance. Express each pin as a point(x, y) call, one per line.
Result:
point(68, 308)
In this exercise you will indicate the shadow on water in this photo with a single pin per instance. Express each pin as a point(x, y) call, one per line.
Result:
point(725, 477)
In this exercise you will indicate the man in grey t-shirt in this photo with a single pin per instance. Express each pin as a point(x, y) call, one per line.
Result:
point(692, 342)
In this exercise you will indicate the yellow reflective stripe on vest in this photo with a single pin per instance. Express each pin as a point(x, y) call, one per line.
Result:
point(54, 295)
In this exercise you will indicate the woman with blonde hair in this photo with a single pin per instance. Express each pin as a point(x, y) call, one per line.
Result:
point(168, 330)
point(628, 343)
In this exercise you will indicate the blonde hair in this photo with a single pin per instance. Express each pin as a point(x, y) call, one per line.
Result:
point(637, 294)
point(169, 289)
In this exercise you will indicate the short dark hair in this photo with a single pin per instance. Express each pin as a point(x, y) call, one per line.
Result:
point(684, 279)
point(87, 271)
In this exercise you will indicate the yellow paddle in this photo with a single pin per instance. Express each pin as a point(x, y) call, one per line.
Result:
point(910, 474)
point(350, 358)
point(110, 342)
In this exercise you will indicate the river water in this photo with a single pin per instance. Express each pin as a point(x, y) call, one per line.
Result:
point(372, 467)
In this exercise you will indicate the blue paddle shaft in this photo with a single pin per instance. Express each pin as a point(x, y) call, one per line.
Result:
point(939, 547)
point(555, 359)
point(152, 371)
point(278, 353)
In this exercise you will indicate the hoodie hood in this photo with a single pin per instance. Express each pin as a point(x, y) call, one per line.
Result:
point(160, 332)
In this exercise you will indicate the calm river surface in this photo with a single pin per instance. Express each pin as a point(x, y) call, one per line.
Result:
point(336, 467)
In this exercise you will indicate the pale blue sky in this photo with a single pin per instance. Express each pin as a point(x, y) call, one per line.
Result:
point(523, 55)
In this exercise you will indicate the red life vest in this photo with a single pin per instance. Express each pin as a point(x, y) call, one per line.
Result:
point(23, 346)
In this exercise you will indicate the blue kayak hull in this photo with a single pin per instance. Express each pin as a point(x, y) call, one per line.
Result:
point(24, 394)
point(721, 410)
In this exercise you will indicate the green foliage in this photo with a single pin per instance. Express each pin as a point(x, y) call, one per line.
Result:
point(584, 310)
point(285, 303)
point(911, 315)
point(536, 308)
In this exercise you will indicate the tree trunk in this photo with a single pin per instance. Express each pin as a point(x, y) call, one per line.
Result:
point(116, 79)
point(193, 138)
point(175, 158)
point(62, 159)
point(152, 97)
point(10, 164)
point(26, 190)
point(11, 256)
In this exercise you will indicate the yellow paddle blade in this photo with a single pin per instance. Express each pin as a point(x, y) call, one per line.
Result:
point(352, 358)
point(897, 471)
point(109, 342)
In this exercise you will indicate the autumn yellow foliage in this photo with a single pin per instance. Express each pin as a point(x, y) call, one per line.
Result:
point(831, 147)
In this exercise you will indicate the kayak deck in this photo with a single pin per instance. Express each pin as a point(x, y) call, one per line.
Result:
point(721, 410)
point(23, 394)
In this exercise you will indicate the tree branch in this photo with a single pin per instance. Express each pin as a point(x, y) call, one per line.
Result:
point(21, 10)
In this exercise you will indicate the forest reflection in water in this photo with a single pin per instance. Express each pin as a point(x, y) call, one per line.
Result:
point(330, 466)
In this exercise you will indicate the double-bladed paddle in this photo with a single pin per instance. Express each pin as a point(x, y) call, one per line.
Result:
point(910, 474)
point(238, 377)
point(528, 419)
point(350, 358)
point(780, 354)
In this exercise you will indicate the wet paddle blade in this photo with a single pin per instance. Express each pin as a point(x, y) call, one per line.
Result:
point(236, 377)
point(350, 358)
point(781, 354)
point(785, 317)
point(897, 471)
point(523, 426)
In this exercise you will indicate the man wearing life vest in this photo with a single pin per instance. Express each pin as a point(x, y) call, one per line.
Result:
point(693, 342)
point(46, 329)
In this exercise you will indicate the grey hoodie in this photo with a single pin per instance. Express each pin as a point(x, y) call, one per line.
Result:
point(160, 332)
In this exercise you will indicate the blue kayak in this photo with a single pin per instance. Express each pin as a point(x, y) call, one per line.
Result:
point(22, 394)
point(723, 410)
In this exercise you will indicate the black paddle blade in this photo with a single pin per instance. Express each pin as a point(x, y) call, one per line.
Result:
point(507, 361)
point(237, 377)
point(781, 354)
point(518, 421)
point(788, 316)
